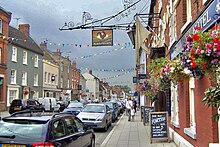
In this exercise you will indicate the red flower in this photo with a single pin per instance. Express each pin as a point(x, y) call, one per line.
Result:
point(218, 47)
point(209, 46)
point(195, 37)
point(198, 51)
point(193, 64)
point(215, 40)
point(192, 51)
point(204, 65)
point(197, 28)
point(215, 28)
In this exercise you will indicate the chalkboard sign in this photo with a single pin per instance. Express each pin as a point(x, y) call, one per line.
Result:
point(147, 110)
point(158, 125)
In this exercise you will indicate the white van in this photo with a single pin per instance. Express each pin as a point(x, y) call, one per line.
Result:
point(49, 103)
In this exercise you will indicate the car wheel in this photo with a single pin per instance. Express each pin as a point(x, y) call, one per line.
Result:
point(92, 143)
point(106, 127)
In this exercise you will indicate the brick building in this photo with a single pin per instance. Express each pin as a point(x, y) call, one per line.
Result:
point(190, 120)
point(75, 81)
point(5, 18)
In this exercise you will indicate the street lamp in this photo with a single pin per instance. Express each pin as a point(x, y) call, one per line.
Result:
point(132, 34)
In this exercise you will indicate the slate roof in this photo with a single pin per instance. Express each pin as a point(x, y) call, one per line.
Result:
point(20, 38)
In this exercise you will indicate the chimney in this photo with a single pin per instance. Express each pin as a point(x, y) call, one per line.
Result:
point(58, 50)
point(24, 28)
point(90, 72)
point(74, 64)
point(43, 45)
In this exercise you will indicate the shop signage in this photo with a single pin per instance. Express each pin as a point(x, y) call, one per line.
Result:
point(205, 20)
point(143, 76)
point(158, 126)
point(102, 37)
point(135, 80)
point(146, 111)
point(1, 81)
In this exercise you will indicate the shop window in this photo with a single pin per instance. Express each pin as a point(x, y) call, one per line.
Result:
point(14, 54)
point(174, 106)
point(191, 131)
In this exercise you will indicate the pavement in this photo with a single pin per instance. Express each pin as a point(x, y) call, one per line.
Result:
point(132, 134)
point(4, 114)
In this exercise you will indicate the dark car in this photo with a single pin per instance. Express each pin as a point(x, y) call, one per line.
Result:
point(40, 129)
point(113, 108)
point(74, 108)
point(21, 104)
point(63, 104)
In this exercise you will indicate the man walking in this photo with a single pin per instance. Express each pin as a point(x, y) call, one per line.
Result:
point(129, 104)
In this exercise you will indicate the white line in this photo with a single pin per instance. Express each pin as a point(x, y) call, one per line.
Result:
point(110, 134)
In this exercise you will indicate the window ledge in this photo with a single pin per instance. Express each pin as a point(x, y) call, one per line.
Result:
point(25, 64)
point(185, 26)
point(175, 124)
point(190, 132)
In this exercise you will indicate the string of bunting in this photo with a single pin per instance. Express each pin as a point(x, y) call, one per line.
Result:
point(116, 76)
point(109, 70)
point(126, 44)
point(101, 53)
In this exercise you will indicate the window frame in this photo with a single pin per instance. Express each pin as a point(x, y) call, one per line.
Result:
point(36, 63)
point(24, 83)
point(25, 55)
point(36, 80)
point(1, 55)
point(1, 26)
point(14, 77)
point(14, 54)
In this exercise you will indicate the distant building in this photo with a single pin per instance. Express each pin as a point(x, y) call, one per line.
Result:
point(5, 18)
point(75, 81)
point(25, 66)
point(92, 86)
point(83, 87)
point(50, 74)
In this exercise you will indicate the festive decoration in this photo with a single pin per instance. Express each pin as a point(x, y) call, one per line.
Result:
point(109, 70)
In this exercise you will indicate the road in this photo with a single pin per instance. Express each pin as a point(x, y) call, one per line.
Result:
point(101, 135)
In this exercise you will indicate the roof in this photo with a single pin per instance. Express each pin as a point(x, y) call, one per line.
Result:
point(35, 118)
point(5, 11)
point(20, 38)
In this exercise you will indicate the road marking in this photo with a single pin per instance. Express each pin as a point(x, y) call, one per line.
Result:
point(110, 134)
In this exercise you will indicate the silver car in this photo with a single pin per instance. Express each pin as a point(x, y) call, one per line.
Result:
point(98, 116)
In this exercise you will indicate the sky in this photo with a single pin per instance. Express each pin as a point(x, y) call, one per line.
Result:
point(45, 17)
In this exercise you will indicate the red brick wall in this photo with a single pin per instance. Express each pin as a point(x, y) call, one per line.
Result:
point(3, 66)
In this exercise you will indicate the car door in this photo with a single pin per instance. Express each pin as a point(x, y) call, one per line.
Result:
point(85, 133)
point(74, 136)
point(108, 113)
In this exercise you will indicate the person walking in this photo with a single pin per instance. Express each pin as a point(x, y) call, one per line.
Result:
point(132, 113)
point(129, 104)
point(135, 105)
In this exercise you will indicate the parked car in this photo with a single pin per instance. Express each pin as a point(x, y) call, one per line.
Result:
point(49, 103)
point(25, 129)
point(74, 108)
point(96, 115)
point(113, 109)
point(21, 104)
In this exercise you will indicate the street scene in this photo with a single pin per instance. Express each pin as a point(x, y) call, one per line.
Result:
point(110, 73)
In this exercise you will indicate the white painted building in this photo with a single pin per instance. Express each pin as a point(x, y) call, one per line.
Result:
point(92, 86)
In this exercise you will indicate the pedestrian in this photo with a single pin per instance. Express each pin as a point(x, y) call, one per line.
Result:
point(132, 113)
point(129, 104)
point(135, 105)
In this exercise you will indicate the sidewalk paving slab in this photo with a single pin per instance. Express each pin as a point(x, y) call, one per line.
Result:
point(132, 134)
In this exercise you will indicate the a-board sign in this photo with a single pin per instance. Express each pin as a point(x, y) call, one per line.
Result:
point(146, 111)
point(142, 112)
point(159, 126)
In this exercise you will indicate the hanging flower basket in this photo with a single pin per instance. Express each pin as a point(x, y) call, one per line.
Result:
point(26, 92)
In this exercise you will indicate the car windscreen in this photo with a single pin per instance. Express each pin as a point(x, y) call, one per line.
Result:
point(16, 103)
point(22, 129)
point(76, 105)
point(94, 109)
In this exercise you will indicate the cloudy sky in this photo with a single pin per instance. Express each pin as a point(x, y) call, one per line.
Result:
point(47, 16)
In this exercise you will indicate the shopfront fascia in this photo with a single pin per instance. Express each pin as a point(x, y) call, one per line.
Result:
point(206, 19)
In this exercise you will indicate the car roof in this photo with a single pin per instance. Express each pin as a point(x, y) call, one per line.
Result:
point(100, 104)
point(33, 118)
